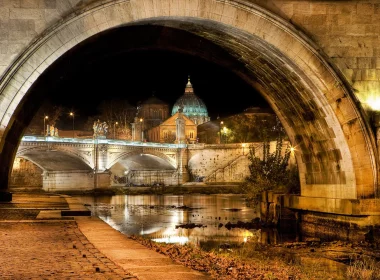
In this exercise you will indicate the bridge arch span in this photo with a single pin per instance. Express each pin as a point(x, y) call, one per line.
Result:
point(54, 159)
point(336, 150)
point(157, 160)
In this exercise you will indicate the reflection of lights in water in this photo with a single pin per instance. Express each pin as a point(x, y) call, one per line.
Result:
point(172, 239)
point(151, 231)
point(156, 217)
point(176, 218)
point(109, 221)
point(126, 213)
point(170, 231)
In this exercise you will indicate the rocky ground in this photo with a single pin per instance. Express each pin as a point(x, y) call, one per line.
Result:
point(299, 260)
point(254, 260)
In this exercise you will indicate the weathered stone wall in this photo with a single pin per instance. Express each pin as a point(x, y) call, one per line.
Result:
point(73, 180)
point(210, 160)
point(347, 32)
point(25, 173)
point(224, 163)
point(155, 178)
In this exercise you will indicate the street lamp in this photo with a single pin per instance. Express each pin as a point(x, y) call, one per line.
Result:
point(220, 132)
point(141, 127)
point(114, 130)
point(45, 118)
point(243, 146)
point(72, 114)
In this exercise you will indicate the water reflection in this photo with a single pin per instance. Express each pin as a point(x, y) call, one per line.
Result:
point(159, 217)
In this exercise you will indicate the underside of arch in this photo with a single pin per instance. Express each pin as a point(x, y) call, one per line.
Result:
point(143, 162)
point(336, 154)
point(49, 160)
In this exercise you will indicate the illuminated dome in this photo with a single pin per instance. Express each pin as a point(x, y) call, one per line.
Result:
point(192, 106)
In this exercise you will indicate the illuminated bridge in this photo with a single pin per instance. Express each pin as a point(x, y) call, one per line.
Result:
point(81, 164)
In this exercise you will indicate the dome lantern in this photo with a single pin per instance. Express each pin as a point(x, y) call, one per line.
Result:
point(192, 106)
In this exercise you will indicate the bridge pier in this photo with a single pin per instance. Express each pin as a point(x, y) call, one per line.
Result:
point(76, 180)
point(353, 220)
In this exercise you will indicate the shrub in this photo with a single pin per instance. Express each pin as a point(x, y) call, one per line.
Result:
point(272, 171)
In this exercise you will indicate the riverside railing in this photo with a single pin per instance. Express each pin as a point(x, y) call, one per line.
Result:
point(51, 139)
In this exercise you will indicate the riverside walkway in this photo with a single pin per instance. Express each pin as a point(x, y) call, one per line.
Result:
point(50, 236)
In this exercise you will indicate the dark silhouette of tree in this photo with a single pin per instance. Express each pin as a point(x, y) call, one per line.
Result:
point(54, 114)
point(243, 128)
point(119, 115)
point(271, 172)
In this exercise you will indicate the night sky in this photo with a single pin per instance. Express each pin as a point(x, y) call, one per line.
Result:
point(107, 68)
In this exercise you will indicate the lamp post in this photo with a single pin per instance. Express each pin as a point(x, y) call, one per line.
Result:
point(220, 132)
point(243, 146)
point(141, 127)
point(72, 114)
point(45, 118)
point(114, 129)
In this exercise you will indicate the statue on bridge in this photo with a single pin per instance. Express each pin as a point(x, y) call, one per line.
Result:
point(100, 129)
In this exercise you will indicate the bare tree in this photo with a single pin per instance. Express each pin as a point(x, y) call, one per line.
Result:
point(47, 114)
point(119, 115)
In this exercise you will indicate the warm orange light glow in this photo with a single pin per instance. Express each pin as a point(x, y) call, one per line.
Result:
point(46, 117)
point(374, 103)
point(71, 114)
point(141, 120)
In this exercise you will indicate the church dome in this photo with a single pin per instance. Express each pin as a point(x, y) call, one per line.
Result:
point(153, 100)
point(192, 106)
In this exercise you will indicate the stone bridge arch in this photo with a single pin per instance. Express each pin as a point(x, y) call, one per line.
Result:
point(171, 161)
point(54, 159)
point(336, 150)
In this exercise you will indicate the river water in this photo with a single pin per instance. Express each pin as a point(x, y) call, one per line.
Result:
point(164, 218)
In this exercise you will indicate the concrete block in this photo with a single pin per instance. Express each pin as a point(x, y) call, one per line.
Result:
point(49, 4)
point(137, 8)
point(318, 8)
point(21, 13)
point(28, 4)
point(125, 11)
point(355, 30)
point(365, 9)
point(302, 8)
point(4, 13)
point(372, 30)
point(99, 17)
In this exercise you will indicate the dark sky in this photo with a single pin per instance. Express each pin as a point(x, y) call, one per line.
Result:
point(137, 76)
point(119, 65)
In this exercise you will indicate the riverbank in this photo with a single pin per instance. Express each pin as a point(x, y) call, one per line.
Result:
point(313, 260)
point(52, 236)
point(33, 232)
point(161, 190)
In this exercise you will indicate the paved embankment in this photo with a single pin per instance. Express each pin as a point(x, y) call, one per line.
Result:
point(42, 237)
